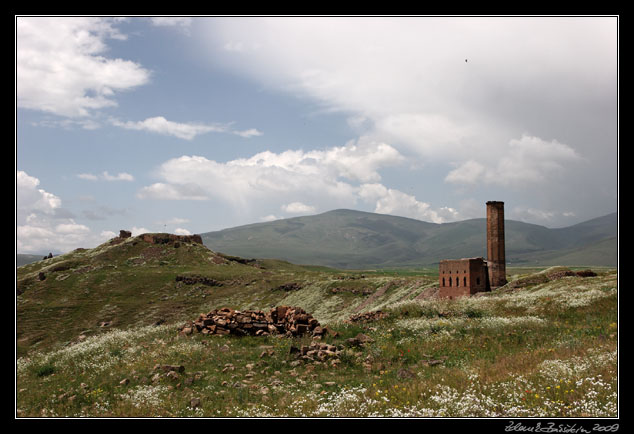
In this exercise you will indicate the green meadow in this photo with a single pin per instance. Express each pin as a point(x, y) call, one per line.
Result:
point(94, 336)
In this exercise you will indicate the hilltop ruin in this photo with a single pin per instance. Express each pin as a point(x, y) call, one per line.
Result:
point(159, 238)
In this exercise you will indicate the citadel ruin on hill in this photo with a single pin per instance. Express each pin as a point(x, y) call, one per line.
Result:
point(467, 276)
point(456, 277)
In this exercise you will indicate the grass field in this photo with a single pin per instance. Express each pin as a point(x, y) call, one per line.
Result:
point(545, 349)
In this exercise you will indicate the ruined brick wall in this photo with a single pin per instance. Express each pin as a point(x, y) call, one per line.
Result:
point(170, 238)
point(460, 277)
point(496, 255)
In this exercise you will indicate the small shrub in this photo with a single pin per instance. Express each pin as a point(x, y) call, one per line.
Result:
point(45, 370)
point(472, 312)
point(117, 352)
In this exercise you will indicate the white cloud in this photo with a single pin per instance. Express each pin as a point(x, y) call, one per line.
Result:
point(407, 78)
point(251, 132)
point(526, 162)
point(233, 46)
point(429, 134)
point(395, 202)
point(298, 208)
point(136, 231)
point(106, 176)
point(68, 124)
point(182, 130)
point(87, 176)
point(161, 190)
point(469, 172)
point(539, 216)
point(327, 179)
point(181, 231)
point(32, 199)
point(269, 218)
point(160, 125)
point(174, 221)
point(106, 235)
point(61, 67)
point(318, 176)
point(171, 21)
point(118, 177)
point(41, 223)
point(404, 81)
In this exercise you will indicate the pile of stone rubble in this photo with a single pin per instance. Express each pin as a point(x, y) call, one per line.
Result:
point(287, 320)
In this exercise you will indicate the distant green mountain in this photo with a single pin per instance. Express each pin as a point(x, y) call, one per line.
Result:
point(360, 240)
point(23, 259)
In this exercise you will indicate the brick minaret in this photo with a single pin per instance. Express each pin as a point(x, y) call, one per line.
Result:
point(496, 256)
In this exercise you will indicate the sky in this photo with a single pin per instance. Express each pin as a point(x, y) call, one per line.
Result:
point(195, 124)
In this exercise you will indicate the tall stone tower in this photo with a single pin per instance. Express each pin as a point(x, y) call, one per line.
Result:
point(496, 256)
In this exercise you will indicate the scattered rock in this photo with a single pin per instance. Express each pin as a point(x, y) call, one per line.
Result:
point(356, 291)
point(124, 382)
point(194, 403)
point(367, 317)
point(317, 352)
point(434, 362)
point(169, 368)
point(559, 274)
point(197, 279)
point(586, 273)
point(265, 353)
point(405, 374)
point(239, 260)
point(359, 340)
point(172, 375)
point(287, 287)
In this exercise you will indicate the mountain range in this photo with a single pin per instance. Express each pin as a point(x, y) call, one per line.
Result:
point(350, 239)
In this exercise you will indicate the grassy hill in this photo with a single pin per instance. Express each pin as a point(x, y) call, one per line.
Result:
point(97, 335)
point(542, 346)
point(134, 283)
point(361, 240)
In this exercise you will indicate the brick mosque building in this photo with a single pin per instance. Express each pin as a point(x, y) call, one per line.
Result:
point(467, 276)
